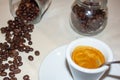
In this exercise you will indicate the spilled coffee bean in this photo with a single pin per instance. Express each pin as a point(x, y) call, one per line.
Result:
point(17, 39)
point(37, 53)
point(30, 58)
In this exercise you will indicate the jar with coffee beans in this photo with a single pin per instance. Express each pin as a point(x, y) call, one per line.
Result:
point(29, 10)
point(88, 17)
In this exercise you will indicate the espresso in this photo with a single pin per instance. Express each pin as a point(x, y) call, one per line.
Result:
point(88, 57)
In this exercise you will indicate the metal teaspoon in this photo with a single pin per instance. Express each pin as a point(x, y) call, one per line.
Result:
point(112, 62)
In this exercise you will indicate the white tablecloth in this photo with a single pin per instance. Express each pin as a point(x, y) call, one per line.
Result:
point(54, 31)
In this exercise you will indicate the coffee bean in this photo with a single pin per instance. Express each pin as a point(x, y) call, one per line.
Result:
point(11, 74)
point(3, 30)
point(37, 53)
point(26, 77)
point(31, 49)
point(11, 68)
point(16, 71)
point(10, 62)
point(30, 58)
point(13, 78)
point(6, 66)
point(6, 78)
point(30, 42)
point(3, 74)
point(16, 66)
point(20, 64)
point(19, 58)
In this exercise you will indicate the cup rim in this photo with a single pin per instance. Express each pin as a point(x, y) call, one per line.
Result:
point(97, 70)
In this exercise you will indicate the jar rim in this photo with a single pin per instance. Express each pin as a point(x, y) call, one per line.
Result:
point(90, 4)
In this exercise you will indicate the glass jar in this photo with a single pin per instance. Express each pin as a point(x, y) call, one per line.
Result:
point(29, 10)
point(88, 17)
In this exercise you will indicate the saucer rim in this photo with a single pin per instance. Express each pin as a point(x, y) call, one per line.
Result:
point(53, 53)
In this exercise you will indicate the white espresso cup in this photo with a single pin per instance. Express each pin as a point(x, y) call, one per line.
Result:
point(80, 73)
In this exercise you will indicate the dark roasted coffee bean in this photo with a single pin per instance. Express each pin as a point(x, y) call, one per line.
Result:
point(11, 74)
point(3, 74)
point(10, 22)
point(26, 77)
point(20, 64)
point(30, 42)
point(6, 78)
point(3, 30)
point(37, 53)
point(11, 68)
point(16, 66)
point(16, 71)
point(1, 69)
point(13, 78)
point(10, 62)
point(19, 58)
point(30, 58)
point(6, 66)
point(31, 49)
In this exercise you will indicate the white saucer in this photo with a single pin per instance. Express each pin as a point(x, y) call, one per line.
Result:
point(54, 67)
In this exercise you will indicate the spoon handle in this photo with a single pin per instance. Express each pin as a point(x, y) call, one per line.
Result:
point(113, 62)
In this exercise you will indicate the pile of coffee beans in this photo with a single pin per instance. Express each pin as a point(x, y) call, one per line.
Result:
point(88, 19)
point(17, 33)
point(28, 10)
point(17, 40)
